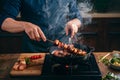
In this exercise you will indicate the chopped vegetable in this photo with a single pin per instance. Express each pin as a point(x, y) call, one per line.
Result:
point(110, 76)
point(115, 59)
point(105, 61)
point(34, 57)
point(27, 61)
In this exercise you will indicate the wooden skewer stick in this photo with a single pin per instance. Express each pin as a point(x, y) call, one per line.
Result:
point(104, 57)
point(50, 41)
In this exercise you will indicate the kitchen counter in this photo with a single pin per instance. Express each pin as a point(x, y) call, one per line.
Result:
point(103, 68)
point(9, 60)
point(102, 15)
point(99, 15)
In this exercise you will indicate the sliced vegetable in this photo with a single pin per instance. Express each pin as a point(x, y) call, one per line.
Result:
point(29, 59)
point(110, 76)
point(35, 57)
point(106, 61)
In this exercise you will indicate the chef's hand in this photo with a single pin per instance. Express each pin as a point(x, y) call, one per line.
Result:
point(72, 27)
point(34, 32)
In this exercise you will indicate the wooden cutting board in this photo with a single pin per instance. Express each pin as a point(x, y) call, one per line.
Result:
point(34, 70)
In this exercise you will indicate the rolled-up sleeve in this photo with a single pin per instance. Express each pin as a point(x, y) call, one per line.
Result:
point(10, 9)
point(74, 10)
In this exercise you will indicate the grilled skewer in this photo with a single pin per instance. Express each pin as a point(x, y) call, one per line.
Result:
point(69, 48)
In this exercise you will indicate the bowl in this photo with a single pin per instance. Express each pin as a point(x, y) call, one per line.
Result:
point(115, 63)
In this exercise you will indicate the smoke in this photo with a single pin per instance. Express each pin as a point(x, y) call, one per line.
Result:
point(85, 7)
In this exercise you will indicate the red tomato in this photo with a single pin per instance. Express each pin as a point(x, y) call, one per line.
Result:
point(40, 56)
point(35, 57)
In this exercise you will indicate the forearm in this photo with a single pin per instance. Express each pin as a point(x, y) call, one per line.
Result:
point(12, 25)
point(33, 31)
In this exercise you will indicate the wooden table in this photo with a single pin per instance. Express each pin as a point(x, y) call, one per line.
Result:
point(103, 68)
point(9, 60)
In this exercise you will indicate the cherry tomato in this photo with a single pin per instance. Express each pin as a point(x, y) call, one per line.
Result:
point(35, 57)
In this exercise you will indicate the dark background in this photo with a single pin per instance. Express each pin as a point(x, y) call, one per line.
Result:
point(104, 5)
point(98, 5)
point(2, 3)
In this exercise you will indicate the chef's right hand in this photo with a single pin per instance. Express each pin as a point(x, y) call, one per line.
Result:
point(34, 32)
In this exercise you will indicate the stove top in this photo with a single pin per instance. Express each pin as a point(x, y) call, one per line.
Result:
point(82, 71)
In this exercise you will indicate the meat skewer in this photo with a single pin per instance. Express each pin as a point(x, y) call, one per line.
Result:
point(69, 48)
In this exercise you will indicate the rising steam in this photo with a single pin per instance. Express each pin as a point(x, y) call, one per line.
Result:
point(85, 6)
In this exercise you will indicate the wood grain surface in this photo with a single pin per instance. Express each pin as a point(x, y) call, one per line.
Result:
point(103, 68)
point(9, 59)
point(34, 70)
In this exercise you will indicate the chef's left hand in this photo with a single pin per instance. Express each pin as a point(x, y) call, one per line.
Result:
point(72, 27)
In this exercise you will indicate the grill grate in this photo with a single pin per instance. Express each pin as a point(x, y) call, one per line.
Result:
point(84, 70)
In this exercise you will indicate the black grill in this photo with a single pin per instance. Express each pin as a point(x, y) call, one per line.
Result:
point(87, 70)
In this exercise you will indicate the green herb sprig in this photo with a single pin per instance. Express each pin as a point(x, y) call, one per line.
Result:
point(110, 76)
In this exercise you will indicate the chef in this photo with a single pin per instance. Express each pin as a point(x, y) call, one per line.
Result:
point(41, 20)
